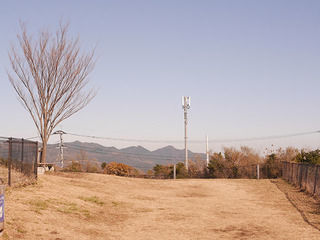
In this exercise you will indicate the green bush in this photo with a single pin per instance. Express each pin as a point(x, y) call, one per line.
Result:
point(311, 157)
point(272, 166)
point(74, 166)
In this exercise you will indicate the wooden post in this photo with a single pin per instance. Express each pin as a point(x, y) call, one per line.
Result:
point(315, 180)
point(36, 160)
point(291, 173)
point(9, 161)
point(300, 174)
point(22, 153)
point(174, 171)
point(258, 172)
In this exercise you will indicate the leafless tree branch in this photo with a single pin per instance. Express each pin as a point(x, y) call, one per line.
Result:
point(50, 75)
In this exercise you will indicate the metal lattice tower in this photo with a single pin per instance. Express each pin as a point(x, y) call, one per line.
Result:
point(61, 146)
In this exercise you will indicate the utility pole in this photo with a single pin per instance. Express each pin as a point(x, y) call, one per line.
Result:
point(61, 146)
point(207, 151)
point(186, 106)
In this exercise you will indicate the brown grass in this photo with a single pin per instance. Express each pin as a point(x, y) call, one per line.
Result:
point(96, 206)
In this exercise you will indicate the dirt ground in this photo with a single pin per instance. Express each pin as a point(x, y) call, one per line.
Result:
point(96, 206)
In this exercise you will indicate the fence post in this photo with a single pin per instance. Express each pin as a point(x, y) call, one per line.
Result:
point(315, 180)
point(22, 153)
point(306, 176)
point(300, 174)
point(174, 171)
point(36, 160)
point(291, 173)
point(9, 161)
point(258, 172)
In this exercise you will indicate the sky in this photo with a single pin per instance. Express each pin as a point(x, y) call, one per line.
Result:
point(250, 67)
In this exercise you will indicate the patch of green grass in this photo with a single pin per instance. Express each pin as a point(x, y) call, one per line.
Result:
point(69, 208)
point(38, 205)
point(5, 235)
point(93, 199)
point(21, 230)
point(115, 204)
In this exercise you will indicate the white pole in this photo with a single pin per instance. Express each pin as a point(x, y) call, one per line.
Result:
point(174, 171)
point(185, 106)
point(258, 172)
point(185, 138)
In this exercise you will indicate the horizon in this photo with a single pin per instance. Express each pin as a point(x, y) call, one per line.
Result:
point(251, 69)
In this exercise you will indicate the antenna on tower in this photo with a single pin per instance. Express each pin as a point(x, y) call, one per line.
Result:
point(61, 146)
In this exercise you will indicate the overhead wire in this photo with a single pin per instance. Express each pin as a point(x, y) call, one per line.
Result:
point(198, 141)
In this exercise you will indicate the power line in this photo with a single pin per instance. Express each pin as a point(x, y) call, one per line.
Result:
point(199, 141)
point(266, 137)
point(125, 139)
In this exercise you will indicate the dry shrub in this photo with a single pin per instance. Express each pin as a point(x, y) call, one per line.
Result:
point(91, 167)
point(119, 169)
point(74, 166)
point(197, 168)
point(272, 162)
point(288, 155)
point(272, 166)
point(234, 163)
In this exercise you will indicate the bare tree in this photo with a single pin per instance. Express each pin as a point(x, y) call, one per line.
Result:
point(49, 75)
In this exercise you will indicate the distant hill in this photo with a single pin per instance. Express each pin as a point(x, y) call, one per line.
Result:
point(135, 156)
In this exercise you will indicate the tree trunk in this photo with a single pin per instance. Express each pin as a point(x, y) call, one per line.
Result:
point(44, 151)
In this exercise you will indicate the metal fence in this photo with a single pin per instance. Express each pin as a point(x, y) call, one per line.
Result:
point(302, 175)
point(18, 160)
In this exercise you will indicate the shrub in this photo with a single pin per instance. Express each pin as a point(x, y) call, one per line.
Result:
point(4, 162)
point(288, 155)
point(74, 166)
point(311, 157)
point(197, 168)
point(272, 166)
point(91, 167)
point(162, 171)
point(118, 169)
point(181, 171)
point(233, 163)
point(103, 165)
point(216, 165)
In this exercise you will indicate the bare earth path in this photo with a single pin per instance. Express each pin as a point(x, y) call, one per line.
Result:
point(95, 206)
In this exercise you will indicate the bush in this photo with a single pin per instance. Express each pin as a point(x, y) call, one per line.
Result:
point(197, 168)
point(233, 163)
point(91, 167)
point(162, 171)
point(4, 162)
point(272, 166)
point(311, 157)
point(74, 166)
point(103, 165)
point(119, 169)
point(216, 165)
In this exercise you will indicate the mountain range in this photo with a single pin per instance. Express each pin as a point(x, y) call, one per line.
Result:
point(135, 156)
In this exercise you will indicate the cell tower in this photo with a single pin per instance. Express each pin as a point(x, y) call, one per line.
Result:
point(61, 146)
point(186, 106)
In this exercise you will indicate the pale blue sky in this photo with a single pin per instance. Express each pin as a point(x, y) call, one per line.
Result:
point(250, 67)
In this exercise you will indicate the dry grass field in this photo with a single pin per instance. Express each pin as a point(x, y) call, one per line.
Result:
point(95, 206)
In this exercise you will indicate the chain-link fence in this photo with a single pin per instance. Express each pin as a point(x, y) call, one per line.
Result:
point(18, 161)
point(302, 175)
